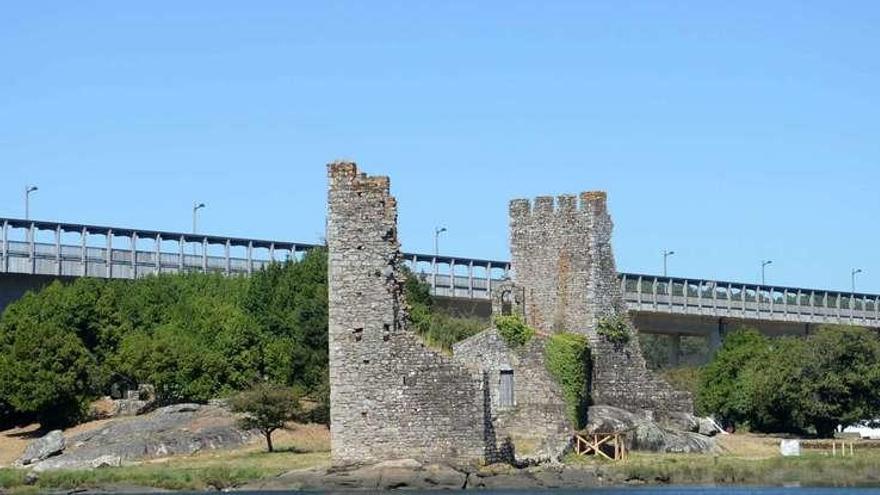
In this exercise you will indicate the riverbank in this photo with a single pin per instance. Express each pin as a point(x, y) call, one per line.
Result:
point(300, 466)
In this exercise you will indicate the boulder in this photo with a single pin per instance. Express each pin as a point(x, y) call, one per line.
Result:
point(708, 427)
point(42, 448)
point(680, 421)
point(173, 430)
point(644, 434)
point(178, 408)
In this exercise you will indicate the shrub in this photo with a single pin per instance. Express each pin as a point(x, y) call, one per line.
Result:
point(437, 329)
point(514, 330)
point(568, 361)
point(615, 329)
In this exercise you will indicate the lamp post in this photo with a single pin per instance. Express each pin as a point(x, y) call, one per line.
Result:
point(27, 201)
point(855, 271)
point(196, 208)
point(666, 255)
point(437, 232)
point(764, 264)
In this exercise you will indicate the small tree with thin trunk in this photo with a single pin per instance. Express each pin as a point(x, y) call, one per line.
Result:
point(266, 407)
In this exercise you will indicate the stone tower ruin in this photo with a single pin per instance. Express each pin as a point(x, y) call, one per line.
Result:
point(390, 397)
point(563, 263)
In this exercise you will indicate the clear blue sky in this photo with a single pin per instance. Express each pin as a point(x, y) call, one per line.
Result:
point(727, 131)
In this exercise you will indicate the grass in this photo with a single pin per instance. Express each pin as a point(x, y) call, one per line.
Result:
point(197, 473)
point(214, 470)
point(748, 460)
point(811, 469)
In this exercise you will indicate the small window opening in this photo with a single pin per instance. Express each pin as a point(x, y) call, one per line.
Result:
point(506, 303)
point(505, 395)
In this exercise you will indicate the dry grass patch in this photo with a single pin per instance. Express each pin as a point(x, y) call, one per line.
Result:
point(14, 441)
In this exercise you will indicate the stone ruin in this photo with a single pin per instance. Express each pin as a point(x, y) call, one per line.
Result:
point(390, 396)
point(393, 398)
point(564, 267)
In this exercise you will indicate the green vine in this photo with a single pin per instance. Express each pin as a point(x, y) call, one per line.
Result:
point(615, 329)
point(567, 358)
point(514, 330)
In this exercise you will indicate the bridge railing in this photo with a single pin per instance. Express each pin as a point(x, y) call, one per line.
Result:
point(109, 252)
point(45, 248)
point(651, 293)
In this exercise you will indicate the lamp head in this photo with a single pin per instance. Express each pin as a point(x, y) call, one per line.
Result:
point(31, 189)
point(196, 206)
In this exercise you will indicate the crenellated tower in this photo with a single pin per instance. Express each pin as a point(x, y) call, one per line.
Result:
point(563, 265)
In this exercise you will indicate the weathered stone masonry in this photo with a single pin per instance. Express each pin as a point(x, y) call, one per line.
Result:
point(535, 426)
point(390, 397)
point(564, 264)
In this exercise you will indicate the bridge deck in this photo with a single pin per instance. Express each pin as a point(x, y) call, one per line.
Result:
point(464, 278)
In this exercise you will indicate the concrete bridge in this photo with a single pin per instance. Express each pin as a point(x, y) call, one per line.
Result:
point(35, 252)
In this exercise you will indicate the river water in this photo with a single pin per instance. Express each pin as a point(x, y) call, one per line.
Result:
point(656, 491)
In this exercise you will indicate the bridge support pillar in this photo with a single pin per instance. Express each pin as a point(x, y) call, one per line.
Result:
point(674, 350)
point(717, 335)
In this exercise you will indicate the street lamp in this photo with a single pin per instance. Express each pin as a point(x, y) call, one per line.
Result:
point(27, 201)
point(196, 208)
point(666, 254)
point(855, 271)
point(764, 264)
point(437, 232)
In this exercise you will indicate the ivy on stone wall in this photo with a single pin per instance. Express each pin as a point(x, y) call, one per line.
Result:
point(568, 360)
point(514, 330)
point(615, 329)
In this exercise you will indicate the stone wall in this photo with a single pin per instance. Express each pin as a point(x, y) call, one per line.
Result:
point(536, 426)
point(563, 260)
point(390, 397)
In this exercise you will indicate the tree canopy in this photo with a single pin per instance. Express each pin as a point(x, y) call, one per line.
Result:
point(193, 336)
point(791, 384)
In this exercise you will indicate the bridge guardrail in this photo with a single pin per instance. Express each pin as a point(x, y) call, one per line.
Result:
point(447, 276)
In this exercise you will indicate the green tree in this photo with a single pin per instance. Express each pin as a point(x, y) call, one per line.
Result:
point(45, 373)
point(266, 407)
point(721, 388)
point(841, 378)
point(772, 388)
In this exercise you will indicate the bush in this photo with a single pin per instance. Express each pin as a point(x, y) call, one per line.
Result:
point(513, 330)
point(437, 329)
point(568, 361)
point(615, 329)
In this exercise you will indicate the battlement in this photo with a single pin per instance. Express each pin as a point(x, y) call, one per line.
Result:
point(343, 171)
point(589, 202)
point(345, 176)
